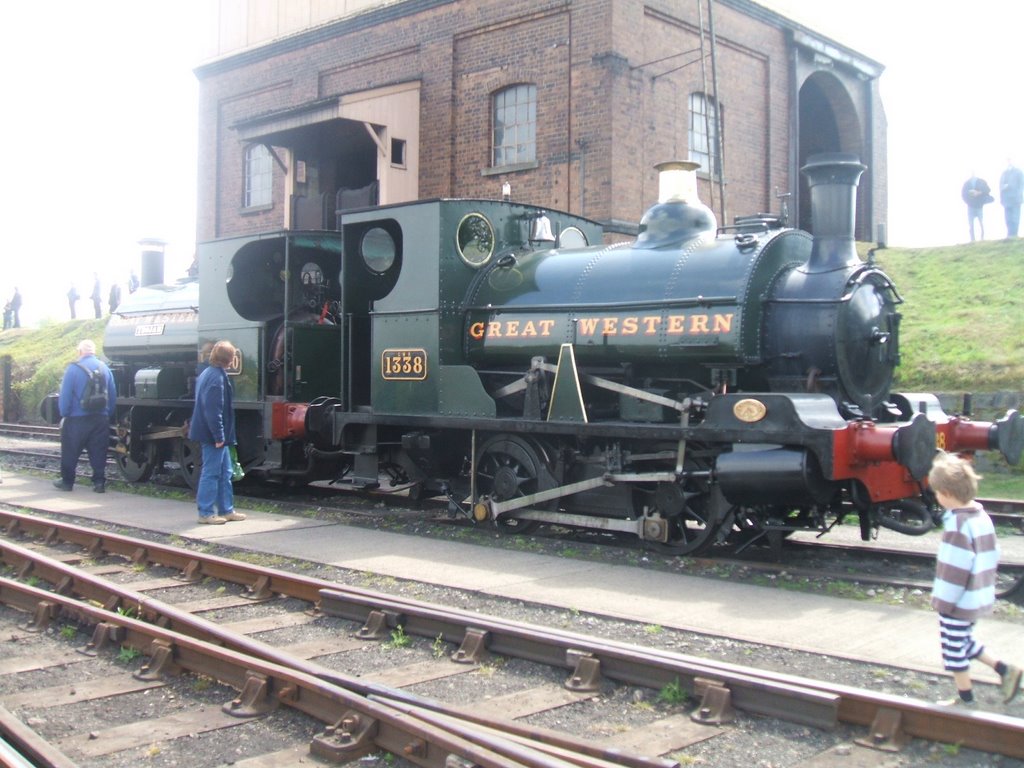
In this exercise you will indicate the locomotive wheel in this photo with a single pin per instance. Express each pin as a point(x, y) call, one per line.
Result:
point(141, 471)
point(693, 514)
point(510, 467)
point(189, 455)
point(748, 527)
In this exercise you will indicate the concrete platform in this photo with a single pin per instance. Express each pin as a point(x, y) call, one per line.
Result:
point(818, 623)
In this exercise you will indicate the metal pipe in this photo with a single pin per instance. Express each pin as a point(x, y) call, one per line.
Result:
point(288, 385)
point(719, 139)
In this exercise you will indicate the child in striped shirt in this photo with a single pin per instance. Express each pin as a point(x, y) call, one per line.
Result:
point(965, 576)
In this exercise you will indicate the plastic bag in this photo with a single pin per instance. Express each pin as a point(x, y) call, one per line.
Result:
point(237, 473)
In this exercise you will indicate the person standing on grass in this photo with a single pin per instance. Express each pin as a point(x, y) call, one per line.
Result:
point(16, 309)
point(97, 296)
point(976, 193)
point(965, 577)
point(72, 300)
point(1011, 195)
point(213, 427)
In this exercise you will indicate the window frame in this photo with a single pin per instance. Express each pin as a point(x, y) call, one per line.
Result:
point(705, 113)
point(514, 134)
point(258, 177)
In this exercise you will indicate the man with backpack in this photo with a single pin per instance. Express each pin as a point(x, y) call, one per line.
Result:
point(87, 408)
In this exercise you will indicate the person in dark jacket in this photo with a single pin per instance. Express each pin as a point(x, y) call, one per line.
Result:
point(81, 429)
point(1011, 195)
point(16, 309)
point(97, 296)
point(213, 427)
point(72, 301)
point(965, 577)
point(976, 193)
point(114, 298)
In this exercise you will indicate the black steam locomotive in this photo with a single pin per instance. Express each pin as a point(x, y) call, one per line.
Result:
point(691, 387)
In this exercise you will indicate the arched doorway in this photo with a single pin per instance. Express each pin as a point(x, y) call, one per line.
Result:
point(828, 122)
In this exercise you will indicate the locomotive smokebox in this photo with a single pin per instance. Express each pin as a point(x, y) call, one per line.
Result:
point(833, 179)
point(833, 321)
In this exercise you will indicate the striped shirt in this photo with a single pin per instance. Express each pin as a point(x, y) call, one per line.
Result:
point(965, 568)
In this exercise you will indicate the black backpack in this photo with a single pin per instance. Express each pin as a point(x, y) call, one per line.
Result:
point(94, 398)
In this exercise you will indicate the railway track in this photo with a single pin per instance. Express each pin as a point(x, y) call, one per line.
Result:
point(107, 583)
point(882, 567)
point(29, 431)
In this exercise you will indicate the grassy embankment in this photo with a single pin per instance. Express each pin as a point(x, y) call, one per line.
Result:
point(963, 316)
point(963, 322)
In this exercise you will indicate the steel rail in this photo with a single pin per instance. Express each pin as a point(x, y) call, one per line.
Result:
point(1013, 569)
point(360, 725)
point(750, 689)
point(31, 430)
point(25, 745)
point(985, 731)
point(1006, 511)
point(70, 580)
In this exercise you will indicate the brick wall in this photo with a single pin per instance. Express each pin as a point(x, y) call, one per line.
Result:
point(608, 106)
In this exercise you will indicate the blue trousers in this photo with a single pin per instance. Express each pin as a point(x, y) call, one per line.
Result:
point(1012, 219)
point(214, 487)
point(84, 433)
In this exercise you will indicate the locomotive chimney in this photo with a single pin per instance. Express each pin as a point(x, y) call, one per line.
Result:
point(833, 178)
point(152, 262)
point(677, 181)
point(679, 214)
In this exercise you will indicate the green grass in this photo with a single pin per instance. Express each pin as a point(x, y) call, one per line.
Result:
point(1002, 485)
point(39, 357)
point(962, 317)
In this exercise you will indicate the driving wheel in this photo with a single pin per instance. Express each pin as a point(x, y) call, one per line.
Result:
point(510, 467)
point(189, 455)
point(138, 471)
point(691, 511)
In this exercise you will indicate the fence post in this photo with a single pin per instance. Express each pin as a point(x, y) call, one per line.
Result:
point(5, 374)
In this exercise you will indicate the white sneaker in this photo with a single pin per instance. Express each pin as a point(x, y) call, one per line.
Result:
point(212, 520)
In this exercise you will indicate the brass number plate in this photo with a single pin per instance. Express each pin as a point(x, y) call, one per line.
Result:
point(403, 364)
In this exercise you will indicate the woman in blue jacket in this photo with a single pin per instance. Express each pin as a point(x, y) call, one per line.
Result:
point(213, 427)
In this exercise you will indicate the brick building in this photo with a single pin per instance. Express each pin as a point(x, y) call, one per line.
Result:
point(308, 106)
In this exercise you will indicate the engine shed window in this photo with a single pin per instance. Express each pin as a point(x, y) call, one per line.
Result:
point(704, 122)
point(515, 125)
point(258, 176)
